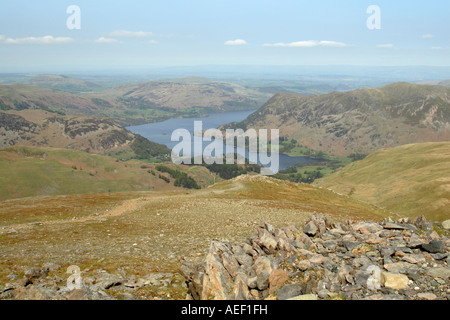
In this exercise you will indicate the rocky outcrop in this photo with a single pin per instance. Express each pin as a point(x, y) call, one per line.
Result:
point(14, 128)
point(389, 260)
point(46, 283)
point(90, 134)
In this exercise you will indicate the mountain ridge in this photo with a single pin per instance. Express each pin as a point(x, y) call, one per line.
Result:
point(358, 121)
point(131, 104)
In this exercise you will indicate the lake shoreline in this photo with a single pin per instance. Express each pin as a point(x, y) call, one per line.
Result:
point(161, 132)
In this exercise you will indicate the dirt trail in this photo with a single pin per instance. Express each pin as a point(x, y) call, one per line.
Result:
point(127, 206)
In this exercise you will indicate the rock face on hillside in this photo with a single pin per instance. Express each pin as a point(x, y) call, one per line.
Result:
point(390, 260)
point(90, 134)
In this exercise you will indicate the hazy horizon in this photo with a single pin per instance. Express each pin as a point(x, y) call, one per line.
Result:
point(49, 36)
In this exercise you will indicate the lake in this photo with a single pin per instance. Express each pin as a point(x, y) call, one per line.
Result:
point(161, 132)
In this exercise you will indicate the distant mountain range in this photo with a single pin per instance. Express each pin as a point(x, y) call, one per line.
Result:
point(358, 121)
point(63, 83)
point(130, 104)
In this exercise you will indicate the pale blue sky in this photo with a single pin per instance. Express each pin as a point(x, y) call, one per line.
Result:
point(141, 34)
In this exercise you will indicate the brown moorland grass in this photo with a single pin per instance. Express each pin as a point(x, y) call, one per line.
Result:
point(143, 232)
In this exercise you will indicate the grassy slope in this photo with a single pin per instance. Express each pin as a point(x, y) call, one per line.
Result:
point(410, 180)
point(28, 171)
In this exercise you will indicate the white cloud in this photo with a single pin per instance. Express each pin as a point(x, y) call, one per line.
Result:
point(237, 42)
point(130, 34)
point(152, 42)
point(36, 40)
point(103, 40)
point(436, 48)
point(427, 36)
point(308, 44)
point(386, 46)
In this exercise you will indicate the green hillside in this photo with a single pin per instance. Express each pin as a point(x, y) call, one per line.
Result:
point(29, 171)
point(409, 180)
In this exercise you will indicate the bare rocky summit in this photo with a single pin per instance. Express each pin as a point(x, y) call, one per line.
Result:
point(390, 260)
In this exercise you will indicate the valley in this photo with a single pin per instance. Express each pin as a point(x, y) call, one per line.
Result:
point(78, 188)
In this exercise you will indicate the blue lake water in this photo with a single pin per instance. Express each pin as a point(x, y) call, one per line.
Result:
point(161, 132)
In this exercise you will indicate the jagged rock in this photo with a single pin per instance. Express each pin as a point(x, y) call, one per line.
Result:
point(367, 227)
point(262, 264)
point(230, 263)
point(106, 281)
point(268, 241)
point(304, 242)
point(394, 226)
point(427, 296)
point(310, 229)
point(316, 225)
point(194, 276)
point(435, 246)
point(355, 260)
point(262, 280)
point(446, 224)
point(443, 273)
point(289, 291)
point(34, 273)
point(414, 258)
point(399, 267)
point(414, 241)
point(217, 282)
point(241, 290)
point(252, 282)
point(33, 292)
point(422, 223)
point(277, 279)
point(394, 280)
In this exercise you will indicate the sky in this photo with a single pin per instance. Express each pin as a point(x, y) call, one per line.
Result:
point(35, 36)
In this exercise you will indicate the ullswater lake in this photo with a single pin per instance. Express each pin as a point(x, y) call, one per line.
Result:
point(161, 132)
